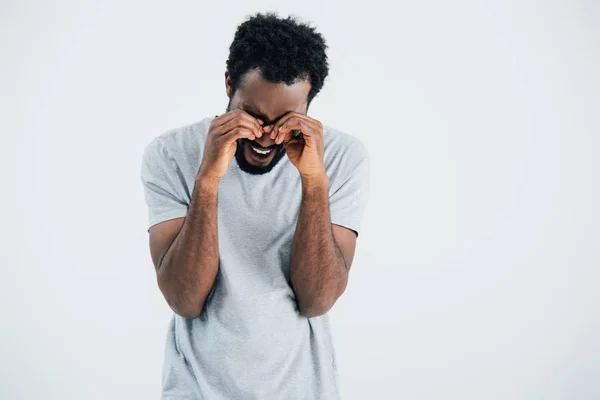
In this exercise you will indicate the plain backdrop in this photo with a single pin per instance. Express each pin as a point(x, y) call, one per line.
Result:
point(477, 267)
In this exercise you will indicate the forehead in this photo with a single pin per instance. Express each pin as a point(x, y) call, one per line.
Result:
point(272, 99)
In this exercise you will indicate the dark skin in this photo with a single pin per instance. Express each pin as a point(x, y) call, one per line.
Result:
point(266, 115)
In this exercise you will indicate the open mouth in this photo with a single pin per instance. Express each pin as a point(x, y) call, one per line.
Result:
point(261, 151)
point(255, 159)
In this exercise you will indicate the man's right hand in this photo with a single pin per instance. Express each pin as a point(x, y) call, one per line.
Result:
point(221, 141)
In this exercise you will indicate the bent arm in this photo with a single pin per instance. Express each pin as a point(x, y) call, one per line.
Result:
point(186, 257)
point(318, 270)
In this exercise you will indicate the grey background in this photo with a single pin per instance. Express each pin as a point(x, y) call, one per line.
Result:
point(476, 270)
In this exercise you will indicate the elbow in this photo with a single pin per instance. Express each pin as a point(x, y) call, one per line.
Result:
point(187, 314)
point(183, 305)
point(313, 312)
point(187, 311)
point(315, 308)
point(311, 305)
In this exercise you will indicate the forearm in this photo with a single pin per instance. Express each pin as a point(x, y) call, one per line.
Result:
point(318, 272)
point(189, 267)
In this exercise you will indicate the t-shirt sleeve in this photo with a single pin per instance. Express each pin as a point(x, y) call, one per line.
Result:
point(350, 189)
point(163, 187)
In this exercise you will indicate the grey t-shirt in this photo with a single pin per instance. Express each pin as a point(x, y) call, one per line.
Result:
point(250, 342)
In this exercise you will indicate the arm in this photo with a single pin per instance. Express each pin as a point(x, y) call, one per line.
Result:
point(321, 252)
point(185, 252)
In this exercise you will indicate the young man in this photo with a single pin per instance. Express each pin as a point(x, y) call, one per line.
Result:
point(251, 254)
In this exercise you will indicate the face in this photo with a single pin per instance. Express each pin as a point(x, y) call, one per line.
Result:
point(269, 102)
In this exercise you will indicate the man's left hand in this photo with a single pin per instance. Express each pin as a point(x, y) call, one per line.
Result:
point(302, 138)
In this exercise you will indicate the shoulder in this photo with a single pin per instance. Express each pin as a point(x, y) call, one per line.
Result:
point(182, 144)
point(184, 138)
point(342, 149)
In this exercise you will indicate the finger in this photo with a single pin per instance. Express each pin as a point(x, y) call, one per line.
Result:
point(244, 122)
point(238, 133)
point(257, 122)
point(292, 126)
point(288, 117)
point(279, 136)
point(236, 115)
point(285, 135)
point(294, 140)
point(280, 123)
point(241, 123)
point(228, 116)
point(284, 132)
point(254, 121)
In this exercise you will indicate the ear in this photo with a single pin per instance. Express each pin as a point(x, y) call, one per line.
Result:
point(227, 84)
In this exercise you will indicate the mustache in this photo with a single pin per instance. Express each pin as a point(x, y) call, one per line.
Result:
point(258, 146)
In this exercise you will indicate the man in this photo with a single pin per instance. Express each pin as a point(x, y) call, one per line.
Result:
point(251, 254)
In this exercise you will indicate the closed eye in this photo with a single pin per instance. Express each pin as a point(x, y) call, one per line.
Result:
point(263, 118)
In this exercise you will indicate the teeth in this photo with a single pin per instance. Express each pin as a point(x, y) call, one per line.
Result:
point(261, 151)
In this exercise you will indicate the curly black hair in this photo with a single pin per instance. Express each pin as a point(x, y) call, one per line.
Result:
point(283, 50)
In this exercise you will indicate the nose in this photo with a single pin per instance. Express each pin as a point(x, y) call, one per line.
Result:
point(268, 128)
point(265, 140)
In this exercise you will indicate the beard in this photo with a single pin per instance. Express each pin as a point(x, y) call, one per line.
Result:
point(245, 165)
point(240, 157)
